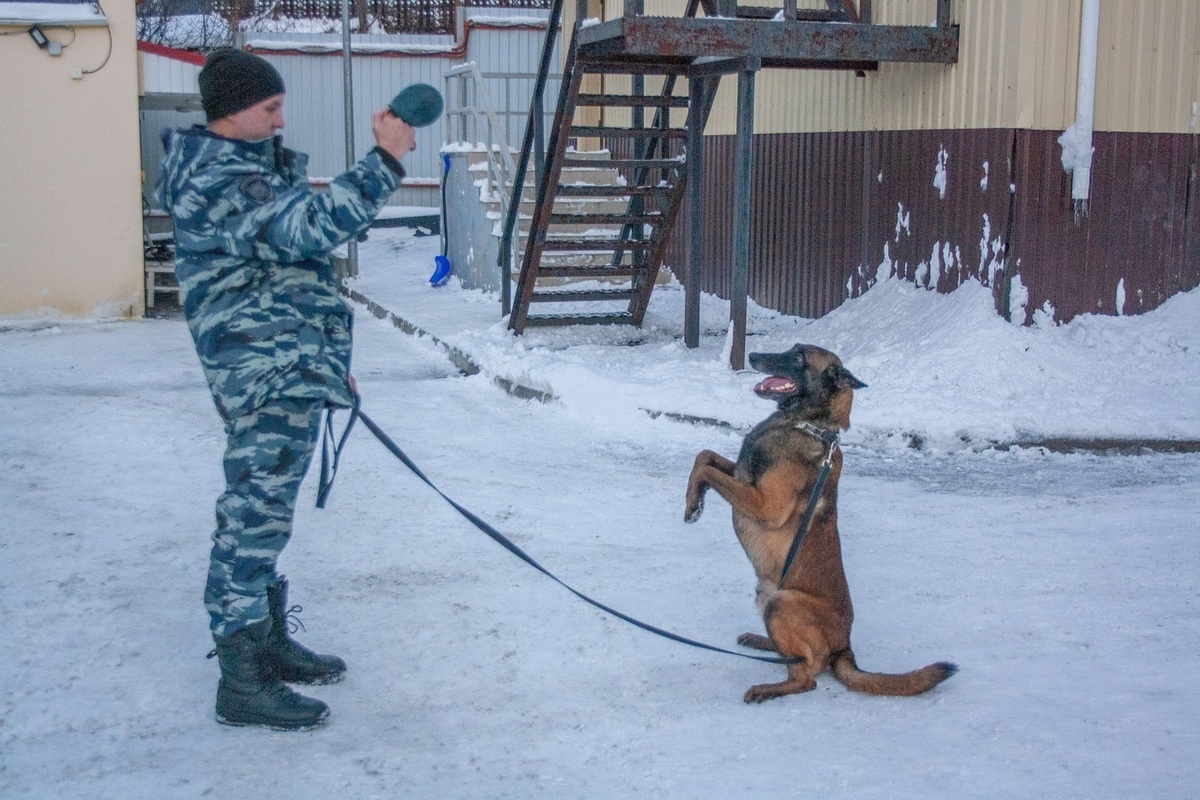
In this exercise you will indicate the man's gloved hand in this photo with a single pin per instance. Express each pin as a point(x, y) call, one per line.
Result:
point(393, 134)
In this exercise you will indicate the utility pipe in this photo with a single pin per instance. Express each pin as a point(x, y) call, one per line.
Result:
point(1085, 103)
point(348, 114)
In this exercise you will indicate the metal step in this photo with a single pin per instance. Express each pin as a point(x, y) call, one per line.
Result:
point(582, 205)
point(615, 318)
point(620, 271)
point(570, 230)
point(603, 64)
point(613, 191)
point(600, 131)
point(595, 245)
point(605, 219)
point(572, 262)
point(580, 296)
point(642, 101)
point(590, 156)
point(630, 163)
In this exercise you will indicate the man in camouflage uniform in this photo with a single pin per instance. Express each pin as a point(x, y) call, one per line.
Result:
point(252, 245)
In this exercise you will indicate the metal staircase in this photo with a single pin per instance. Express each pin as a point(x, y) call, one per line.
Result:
point(603, 244)
point(594, 251)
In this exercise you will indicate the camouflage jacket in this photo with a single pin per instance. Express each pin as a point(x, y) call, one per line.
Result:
point(252, 245)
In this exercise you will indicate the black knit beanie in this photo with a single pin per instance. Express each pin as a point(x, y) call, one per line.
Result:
point(233, 80)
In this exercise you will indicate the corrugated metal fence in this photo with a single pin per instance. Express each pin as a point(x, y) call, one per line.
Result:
point(832, 212)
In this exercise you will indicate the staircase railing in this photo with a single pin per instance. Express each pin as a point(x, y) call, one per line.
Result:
point(470, 110)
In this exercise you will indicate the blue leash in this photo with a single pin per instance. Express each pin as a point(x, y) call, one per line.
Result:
point(330, 455)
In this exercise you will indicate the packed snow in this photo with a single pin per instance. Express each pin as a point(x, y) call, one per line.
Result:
point(1063, 585)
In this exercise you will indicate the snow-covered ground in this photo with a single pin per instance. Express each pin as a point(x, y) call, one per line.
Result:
point(1064, 586)
point(943, 371)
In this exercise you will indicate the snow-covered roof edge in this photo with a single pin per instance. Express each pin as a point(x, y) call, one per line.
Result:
point(398, 48)
point(18, 14)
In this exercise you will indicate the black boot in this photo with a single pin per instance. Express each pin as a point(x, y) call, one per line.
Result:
point(250, 694)
point(291, 661)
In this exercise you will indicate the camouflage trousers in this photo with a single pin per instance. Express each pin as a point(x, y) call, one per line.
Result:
point(267, 454)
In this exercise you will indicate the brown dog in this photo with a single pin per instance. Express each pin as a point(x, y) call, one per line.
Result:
point(807, 612)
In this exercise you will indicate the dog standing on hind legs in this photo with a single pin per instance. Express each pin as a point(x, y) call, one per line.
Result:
point(807, 612)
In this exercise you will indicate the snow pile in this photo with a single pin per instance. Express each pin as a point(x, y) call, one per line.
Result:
point(947, 369)
point(943, 371)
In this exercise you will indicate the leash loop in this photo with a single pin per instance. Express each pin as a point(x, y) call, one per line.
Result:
point(331, 454)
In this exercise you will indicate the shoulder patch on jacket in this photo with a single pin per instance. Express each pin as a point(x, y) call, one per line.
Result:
point(257, 188)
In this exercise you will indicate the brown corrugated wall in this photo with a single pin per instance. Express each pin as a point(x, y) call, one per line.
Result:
point(825, 206)
point(1142, 224)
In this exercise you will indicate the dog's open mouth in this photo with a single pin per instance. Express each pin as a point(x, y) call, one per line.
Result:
point(774, 385)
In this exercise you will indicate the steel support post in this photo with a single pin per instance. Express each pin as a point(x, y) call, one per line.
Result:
point(348, 114)
point(742, 168)
point(695, 173)
point(640, 146)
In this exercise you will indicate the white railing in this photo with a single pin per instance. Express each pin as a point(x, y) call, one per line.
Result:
point(471, 117)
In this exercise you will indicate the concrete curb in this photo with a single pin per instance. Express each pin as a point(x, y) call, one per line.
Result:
point(461, 360)
point(1124, 447)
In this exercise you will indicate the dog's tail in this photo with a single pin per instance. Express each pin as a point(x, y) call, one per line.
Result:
point(903, 685)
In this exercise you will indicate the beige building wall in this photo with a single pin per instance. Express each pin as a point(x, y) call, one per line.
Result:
point(70, 196)
point(1017, 69)
point(1149, 66)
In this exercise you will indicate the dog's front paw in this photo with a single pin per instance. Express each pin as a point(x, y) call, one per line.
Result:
point(693, 511)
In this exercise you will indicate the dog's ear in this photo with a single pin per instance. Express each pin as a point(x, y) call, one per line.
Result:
point(841, 378)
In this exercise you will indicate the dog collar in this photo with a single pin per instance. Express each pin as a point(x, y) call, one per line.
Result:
point(830, 438)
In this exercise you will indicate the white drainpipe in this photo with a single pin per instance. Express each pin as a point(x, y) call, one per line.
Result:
point(1085, 104)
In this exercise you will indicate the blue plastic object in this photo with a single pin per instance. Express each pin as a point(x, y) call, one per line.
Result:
point(441, 271)
point(441, 264)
